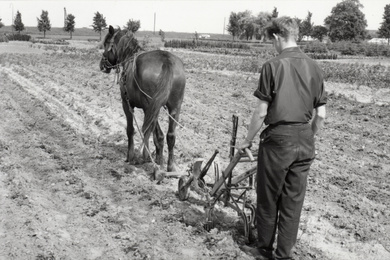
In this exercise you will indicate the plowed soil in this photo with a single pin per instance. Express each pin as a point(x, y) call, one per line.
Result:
point(67, 193)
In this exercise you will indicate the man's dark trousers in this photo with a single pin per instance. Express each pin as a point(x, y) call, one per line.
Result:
point(286, 152)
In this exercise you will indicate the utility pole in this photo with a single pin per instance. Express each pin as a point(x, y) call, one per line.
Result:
point(64, 17)
point(12, 20)
point(224, 20)
point(154, 27)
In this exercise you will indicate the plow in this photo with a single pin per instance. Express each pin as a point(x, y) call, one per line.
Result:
point(230, 188)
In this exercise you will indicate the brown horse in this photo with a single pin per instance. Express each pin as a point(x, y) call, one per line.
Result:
point(149, 80)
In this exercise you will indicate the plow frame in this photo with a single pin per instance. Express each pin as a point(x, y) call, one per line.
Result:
point(226, 188)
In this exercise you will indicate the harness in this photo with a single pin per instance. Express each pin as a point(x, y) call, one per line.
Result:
point(122, 79)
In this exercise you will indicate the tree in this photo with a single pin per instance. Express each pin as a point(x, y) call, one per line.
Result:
point(69, 24)
point(99, 23)
point(18, 25)
point(384, 29)
point(319, 32)
point(275, 13)
point(299, 23)
point(133, 25)
point(347, 22)
point(246, 21)
point(44, 23)
point(306, 26)
point(196, 36)
point(1, 24)
point(162, 35)
point(233, 26)
point(262, 19)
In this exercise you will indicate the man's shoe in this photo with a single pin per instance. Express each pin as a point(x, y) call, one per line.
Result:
point(255, 252)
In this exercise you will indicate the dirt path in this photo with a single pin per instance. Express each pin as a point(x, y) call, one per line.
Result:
point(66, 192)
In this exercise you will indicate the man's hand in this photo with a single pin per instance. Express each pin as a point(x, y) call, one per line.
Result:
point(319, 118)
point(245, 144)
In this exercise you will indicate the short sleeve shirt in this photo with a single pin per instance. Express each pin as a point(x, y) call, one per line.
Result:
point(293, 85)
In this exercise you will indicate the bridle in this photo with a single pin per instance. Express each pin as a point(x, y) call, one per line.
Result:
point(106, 63)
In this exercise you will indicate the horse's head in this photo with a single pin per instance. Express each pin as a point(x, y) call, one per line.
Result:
point(119, 46)
point(110, 55)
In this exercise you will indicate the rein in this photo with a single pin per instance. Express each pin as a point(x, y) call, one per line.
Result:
point(123, 77)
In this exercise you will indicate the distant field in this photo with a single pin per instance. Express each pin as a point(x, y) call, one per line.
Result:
point(89, 34)
point(365, 60)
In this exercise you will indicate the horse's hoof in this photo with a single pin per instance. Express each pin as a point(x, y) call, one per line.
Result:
point(171, 168)
point(159, 161)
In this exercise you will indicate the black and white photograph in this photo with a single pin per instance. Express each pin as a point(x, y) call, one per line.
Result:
point(194, 129)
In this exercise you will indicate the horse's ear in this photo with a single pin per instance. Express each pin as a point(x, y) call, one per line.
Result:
point(111, 30)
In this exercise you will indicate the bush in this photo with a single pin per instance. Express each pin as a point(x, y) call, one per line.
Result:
point(315, 47)
point(19, 37)
point(190, 44)
point(363, 49)
point(3, 38)
point(350, 50)
point(323, 56)
point(50, 41)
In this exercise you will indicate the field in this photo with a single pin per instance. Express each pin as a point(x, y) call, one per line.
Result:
point(90, 34)
point(66, 192)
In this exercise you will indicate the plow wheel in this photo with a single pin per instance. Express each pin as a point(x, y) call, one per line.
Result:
point(183, 186)
point(247, 225)
point(209, 219)
point(249, 221)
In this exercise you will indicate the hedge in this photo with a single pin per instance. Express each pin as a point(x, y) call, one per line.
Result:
point(3, 38)
point(19, 37)
point(190, 44)
point(364, 49)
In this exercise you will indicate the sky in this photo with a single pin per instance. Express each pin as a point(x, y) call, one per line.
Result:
point(210, 16)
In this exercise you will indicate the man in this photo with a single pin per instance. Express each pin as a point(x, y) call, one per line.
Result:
point(291, 88)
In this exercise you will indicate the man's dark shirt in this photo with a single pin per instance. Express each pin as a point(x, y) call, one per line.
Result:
point(293, 85)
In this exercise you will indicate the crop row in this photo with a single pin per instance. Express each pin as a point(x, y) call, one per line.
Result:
point(245, 49)
point(220, 62)
point(363, 49)
point(190, 44)
point(323, 56)
point(377, 76)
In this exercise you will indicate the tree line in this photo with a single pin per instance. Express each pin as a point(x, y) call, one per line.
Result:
point(43, 23)
point(345, 23)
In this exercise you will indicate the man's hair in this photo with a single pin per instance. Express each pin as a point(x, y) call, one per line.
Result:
point(284, 26)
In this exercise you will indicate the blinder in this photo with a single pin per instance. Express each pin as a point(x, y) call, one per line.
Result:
point(105, 62)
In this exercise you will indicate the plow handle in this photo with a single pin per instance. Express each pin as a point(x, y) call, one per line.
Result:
point(207, 166)
point(234, 136)
point(249, 153)
point(229, 169)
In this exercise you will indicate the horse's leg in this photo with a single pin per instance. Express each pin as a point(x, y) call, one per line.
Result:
point(171, 138)
point(130, 128)
point(158, 138)
point(146, 151)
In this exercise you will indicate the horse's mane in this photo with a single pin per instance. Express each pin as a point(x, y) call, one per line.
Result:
point(126, 44)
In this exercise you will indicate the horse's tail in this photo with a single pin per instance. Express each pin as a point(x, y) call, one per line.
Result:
point(160, 97)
